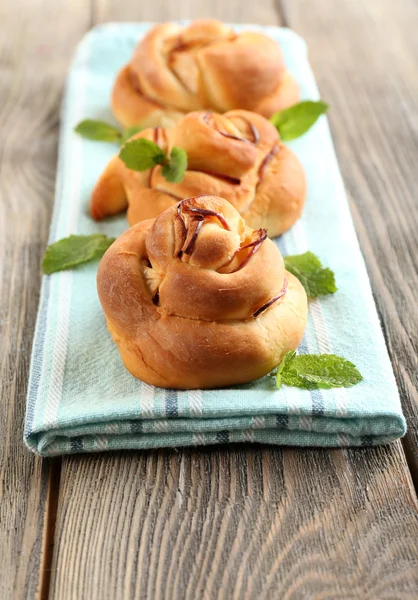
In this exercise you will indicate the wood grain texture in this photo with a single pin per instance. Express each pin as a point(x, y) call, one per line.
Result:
point(233, 11)
point(33, 60)
point(239, 523)
point(365, 56)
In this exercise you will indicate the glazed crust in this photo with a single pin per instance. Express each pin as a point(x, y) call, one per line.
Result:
point(237, 156)
point(205, 65)
point(191, 311)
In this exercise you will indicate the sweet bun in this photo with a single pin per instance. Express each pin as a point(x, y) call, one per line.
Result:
point(175, 70)
point(185, 302)
point(237, 156)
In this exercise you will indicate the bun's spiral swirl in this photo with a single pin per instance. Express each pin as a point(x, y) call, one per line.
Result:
point(237, 156)
point(195, 299)
point(175, 70)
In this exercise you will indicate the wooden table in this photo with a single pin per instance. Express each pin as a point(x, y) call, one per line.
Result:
point(232, 523)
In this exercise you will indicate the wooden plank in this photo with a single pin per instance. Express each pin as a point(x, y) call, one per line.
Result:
point(233, 11)
point(240, 522)
point(365, 54)
point(36, 42)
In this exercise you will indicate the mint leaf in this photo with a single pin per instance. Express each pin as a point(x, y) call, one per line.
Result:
point(129, 132)
point(285, 361)
point(74, 250)
point(317, 280)
point(98, 131)
point(142, 154)
point(177, 165)
point(103, 132)
point(312, 371)
point(294, 121)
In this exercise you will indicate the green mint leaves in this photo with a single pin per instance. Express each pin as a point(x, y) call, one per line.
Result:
point(294, 121)
point(174, 170)
point(100, 131)
point(317, 280)
point(313, 371)
point(142, 154)
point(74, 250)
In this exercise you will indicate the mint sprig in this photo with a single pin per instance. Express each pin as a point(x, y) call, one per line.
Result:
point(173, 171)
point(100, 131)
point(74, 250)
point(294, 121)
point(316, 279)
point(142, 154)
point(313, 371)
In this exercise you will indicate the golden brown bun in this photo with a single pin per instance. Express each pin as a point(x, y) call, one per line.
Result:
point(237, 156)
point(196, 299)
point(175, 70)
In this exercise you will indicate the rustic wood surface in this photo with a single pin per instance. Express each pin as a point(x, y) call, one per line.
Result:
point(240, 522)
point(365, 55)
point(34, 58)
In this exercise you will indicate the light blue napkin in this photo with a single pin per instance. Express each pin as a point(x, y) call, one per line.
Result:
point(81, 398)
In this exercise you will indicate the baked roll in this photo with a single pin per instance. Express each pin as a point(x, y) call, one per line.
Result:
point(237, 156)
point(197, 299)
point(175, 70)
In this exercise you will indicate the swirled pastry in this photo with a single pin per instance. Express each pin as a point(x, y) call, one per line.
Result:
point(175, 70)
point(237, 156)
point(196, 299)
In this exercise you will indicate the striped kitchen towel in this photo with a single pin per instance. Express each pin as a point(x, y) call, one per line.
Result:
point(81, 398)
